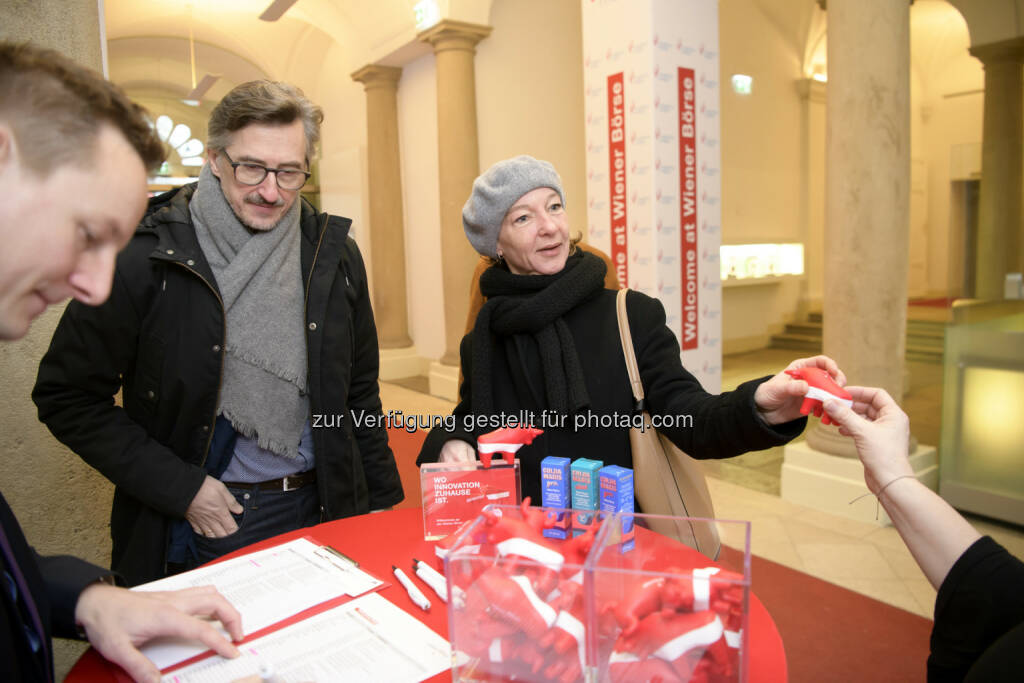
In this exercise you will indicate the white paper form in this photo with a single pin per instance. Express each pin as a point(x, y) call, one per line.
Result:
point(266, 587)
point(367, 639)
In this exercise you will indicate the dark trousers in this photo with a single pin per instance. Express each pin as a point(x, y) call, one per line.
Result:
point(265, 514)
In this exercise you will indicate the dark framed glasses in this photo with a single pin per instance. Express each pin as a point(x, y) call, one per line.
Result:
point(249, 173)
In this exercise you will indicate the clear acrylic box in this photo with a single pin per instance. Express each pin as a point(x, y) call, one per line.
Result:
point(529, 608)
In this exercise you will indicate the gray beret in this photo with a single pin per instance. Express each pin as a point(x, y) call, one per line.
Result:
point(494, 193)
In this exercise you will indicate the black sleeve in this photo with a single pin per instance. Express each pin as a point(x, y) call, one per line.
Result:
point(440, 435)
point(384, 486)
point(980, 602)
point(91, 350)
point(703, 425)
point(65, 578)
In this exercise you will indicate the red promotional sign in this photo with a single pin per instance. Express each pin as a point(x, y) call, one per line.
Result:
point(453, 493)
point(688, 208)
point(617, 175)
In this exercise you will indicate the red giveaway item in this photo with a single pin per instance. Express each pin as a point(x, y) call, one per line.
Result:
point(821, 387)
point(513, 601)
point(506, 441)
point(683, 639)
point(629, 669)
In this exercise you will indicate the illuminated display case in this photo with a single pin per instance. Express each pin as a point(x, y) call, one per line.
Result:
point(982, 403)
point(743, 264)
point(626, 604)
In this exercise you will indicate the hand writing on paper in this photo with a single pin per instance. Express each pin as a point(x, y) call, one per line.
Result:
point(117, 621)
point(209, 513)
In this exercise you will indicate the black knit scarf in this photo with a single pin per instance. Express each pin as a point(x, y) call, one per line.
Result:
point(533, 305)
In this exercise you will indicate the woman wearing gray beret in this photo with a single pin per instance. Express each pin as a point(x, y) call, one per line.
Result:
point(546, 345)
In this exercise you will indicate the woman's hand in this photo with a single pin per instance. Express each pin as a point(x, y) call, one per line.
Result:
point(455, 450)
point(779, 399)
point(881, 432)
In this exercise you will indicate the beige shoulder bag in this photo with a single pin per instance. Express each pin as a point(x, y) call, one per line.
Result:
point(668, 481)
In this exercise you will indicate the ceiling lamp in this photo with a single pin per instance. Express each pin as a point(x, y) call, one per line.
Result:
point(276, 9)
point(200, 89)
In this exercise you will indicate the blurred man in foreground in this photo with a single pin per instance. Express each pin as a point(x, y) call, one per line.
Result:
point(73, 158)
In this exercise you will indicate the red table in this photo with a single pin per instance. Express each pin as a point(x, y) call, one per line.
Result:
point(395, 537)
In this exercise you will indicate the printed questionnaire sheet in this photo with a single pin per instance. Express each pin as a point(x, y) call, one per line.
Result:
point(367, 639)
point(266, 587)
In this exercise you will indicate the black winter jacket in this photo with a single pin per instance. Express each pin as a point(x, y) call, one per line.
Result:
point(54, 584)
point(159, 340)
point(722, 425)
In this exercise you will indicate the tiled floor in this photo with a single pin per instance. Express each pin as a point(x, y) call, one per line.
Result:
point(866, 558)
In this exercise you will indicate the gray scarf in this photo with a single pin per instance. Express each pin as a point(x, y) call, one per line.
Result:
point(263, 391)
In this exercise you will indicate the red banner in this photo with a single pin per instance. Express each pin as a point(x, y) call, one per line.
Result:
point(688, 208)
point(617, 176)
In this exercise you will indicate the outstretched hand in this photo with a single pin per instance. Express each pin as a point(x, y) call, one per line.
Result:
point(880, 431)
point(779, 399)
point(117, 621)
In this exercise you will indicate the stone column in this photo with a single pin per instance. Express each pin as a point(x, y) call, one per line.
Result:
point(999, 249)
point(867, 195)
point(454, 44)
point(386, 221)
point(867, 210)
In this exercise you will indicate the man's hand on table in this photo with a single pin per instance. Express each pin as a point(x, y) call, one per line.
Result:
point(117, 621)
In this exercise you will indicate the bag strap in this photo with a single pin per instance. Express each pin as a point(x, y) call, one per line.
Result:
point(626, 337)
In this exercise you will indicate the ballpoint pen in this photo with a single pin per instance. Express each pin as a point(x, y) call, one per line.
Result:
point(432, 578)
point(415, 594)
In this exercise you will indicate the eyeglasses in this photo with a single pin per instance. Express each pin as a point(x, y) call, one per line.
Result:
point(253, 174)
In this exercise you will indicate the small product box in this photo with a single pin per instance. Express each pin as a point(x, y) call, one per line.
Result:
point(617, 496)
point(554, 488)
point(585, 494)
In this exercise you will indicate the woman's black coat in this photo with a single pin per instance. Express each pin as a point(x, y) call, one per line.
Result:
point(723, 425)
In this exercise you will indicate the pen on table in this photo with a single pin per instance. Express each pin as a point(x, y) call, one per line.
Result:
point(415, 594)
point(432, 578)
point(338, 553)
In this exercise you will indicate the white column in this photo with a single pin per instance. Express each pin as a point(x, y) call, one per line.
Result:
point(867, 210)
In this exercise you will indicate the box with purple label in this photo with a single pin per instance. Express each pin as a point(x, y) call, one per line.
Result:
point(554, 491)
point(585, 494)
point(617, 496)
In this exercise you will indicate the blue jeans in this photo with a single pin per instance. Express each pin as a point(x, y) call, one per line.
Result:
point(265, 514)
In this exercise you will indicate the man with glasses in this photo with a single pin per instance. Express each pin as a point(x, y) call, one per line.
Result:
point(239, 319)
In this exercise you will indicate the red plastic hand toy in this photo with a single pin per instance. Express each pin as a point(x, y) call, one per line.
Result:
point(626, 669)
point(513, 601)
point(652, 596)
point(506, 441)
point(821, 387)
point(682, 639)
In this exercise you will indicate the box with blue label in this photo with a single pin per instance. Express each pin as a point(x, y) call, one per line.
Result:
point(617, 496)
point(585, 494)
point(554, 491)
